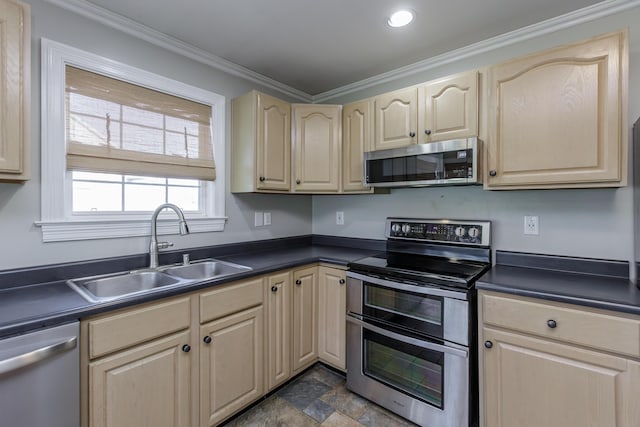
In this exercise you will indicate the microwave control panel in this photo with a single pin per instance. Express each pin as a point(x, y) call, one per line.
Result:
point(440, 231)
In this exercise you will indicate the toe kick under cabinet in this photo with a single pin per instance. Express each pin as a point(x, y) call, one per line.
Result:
point(557, 365)
point(197, 359)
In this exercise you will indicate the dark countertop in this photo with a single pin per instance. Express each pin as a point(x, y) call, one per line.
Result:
point(25, 308)
point(592, 283)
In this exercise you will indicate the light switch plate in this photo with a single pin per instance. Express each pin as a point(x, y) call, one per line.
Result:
point(339, 218)
point(259, 221)
point(267, 218)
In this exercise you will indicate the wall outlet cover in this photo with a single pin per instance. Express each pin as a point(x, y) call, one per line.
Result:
point(531, 225)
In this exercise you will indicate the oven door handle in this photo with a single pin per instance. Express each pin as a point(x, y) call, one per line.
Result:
point(422, 290)
point(408, 340)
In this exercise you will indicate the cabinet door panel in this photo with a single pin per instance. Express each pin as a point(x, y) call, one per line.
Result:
point(450, 108)
point(148, 385)
point(396, 116)
point(231, 373)
point(356, 136)
point(556, 117)
point(332, 303)
point(278, 312)
point(531, 383)
point(273, 144)
point(305, 318)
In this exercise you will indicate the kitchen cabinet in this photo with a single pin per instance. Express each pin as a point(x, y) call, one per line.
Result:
point(231, 350)
point(261, 144)
point(448, 108)
point(396, 119)
point(554, 364)
point(316, 148)
point(138, 367)
point(278, 329)
point(356, 139)
point(557, 119)
point(332, 308)
point(304, 318)
point(15, 82)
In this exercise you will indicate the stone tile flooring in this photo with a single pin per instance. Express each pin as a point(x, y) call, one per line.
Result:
point(318, 397)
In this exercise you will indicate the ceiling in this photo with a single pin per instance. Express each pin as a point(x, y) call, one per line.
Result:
point(319, 45)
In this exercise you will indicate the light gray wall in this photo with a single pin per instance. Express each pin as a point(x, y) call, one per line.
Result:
point(594, 223)
point(21, 241)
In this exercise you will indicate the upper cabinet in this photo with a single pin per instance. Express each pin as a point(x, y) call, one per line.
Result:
point(558, 118)
point(316, 148)
point(261, 144)
point(449, 108)
point(396, 119)
point(15, 80)
point(356, 139)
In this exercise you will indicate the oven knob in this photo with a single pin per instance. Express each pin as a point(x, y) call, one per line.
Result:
point(473, 232)
point(406, 228)
point(460, 231)
point(395, 228)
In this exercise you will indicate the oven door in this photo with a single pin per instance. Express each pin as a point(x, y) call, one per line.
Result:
point(423, 381)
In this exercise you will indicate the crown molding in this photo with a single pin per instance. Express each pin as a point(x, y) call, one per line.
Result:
point(133, 28)
point(172, 44)
point(571, 19)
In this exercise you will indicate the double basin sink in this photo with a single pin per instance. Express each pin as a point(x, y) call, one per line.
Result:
point(108, 287)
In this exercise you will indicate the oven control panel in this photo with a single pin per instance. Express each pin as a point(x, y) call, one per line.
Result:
point(440, 231)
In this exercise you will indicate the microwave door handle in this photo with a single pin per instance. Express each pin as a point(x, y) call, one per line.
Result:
point(408, 340)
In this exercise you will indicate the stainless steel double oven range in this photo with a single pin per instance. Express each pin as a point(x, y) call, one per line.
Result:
point(411, 321)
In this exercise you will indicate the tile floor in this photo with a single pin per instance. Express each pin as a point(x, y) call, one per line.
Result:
point(317, 398)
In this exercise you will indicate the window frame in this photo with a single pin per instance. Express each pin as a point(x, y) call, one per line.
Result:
point(58, 222)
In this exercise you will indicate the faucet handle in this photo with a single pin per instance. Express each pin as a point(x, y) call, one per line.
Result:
point(164, 245)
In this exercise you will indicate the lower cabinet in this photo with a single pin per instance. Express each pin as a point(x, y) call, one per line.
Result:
point(305, 318)
point(332, 308)
point(277, 301)
point(533, 376)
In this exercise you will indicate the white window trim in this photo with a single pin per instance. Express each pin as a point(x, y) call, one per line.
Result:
point(58, 223)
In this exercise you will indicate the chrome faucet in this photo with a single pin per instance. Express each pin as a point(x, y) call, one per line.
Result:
point(154, 246)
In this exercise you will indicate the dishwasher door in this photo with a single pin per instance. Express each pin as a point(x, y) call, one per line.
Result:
point(40, 378)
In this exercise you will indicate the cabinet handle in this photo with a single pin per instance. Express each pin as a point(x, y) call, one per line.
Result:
point(412, 134)
point(552, 323)
point(274, 288)
point(492, 172)
point(262, 179)
point(488, 344)
point(298, 181)
point(427, 131)
point(342, 281)
point(186, 348)
point(207, 339)
point(298, 282)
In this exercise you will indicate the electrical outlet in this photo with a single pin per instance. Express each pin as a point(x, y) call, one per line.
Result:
point(267, 218)
point(259, 221)
point(339, 218)
point(531, 225)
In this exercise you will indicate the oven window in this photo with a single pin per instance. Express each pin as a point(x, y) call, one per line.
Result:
point(413, 370)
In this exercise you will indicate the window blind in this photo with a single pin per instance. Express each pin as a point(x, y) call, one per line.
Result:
point(119, 127)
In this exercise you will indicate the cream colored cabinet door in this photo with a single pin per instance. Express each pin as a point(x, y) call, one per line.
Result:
point(449, 108)
point(147, 385)
point(305, 318)
point(558, 118)
point(231, 364)
point(356, 139)
point(332, 308)
point(316, 147)
point(531, 382)
point(15, 83)
point(278, 329)
point(260, 144)
point(396, 116)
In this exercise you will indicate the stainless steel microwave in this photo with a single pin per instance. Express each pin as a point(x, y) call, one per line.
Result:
point(455, 162)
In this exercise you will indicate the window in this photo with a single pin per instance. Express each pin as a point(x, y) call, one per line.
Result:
point(118, 141)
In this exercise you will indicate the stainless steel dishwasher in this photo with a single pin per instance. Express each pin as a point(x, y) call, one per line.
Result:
point(39, 378)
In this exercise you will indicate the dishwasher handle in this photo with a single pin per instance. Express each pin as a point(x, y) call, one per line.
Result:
point(35, 356)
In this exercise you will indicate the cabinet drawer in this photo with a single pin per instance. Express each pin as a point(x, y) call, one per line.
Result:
point(132, 327)
point(599, 329)
point(229, 299)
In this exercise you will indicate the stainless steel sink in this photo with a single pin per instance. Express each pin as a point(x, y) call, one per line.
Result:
point(109, 287)
point(117, 285)
point(205, 269)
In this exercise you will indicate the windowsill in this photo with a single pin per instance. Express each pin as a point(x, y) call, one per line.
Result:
point(60, 231)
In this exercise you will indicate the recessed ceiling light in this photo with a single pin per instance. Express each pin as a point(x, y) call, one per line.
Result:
point(400, 18)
